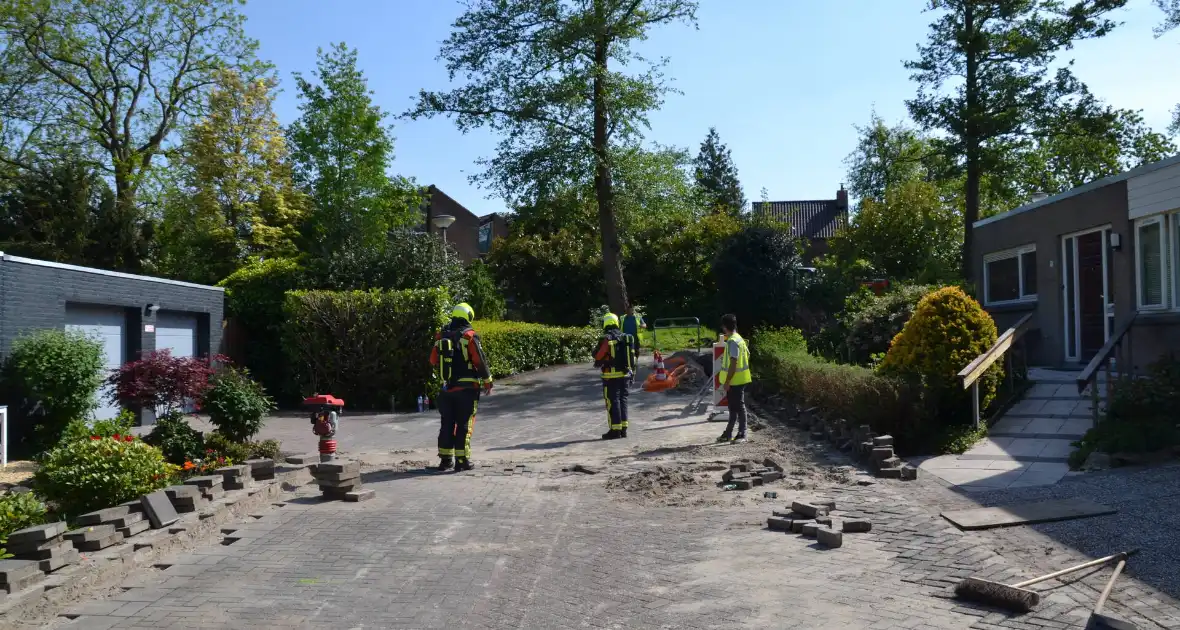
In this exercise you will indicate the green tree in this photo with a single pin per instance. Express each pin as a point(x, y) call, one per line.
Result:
point(111, 79)
point(911, 234)
point(757, 275)
point(997, 55)
point(551, 75)
point(887, 156)
point(652, 189)
point(238, 199)
point(717, 177)
point(483, 294)
point(1171, 9)
point(341, 148)
point(554, 277)
point(52, 215)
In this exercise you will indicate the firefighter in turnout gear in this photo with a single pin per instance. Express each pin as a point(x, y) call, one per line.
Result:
point(459, 362)
point(616, 358)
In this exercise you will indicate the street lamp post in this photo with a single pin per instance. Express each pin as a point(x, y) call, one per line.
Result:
point(442, 222)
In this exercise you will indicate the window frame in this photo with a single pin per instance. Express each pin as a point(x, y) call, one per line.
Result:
point(1017, 253)
point(1167, 297)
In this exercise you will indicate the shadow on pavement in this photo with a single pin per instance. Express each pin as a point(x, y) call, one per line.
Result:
point(544, 445)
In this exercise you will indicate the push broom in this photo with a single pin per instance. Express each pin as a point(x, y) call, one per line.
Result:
point(1016, 597)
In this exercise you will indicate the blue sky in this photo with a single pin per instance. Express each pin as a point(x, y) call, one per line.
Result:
point(784, 81)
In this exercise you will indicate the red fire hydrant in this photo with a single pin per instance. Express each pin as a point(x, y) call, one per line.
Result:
point(325, 411)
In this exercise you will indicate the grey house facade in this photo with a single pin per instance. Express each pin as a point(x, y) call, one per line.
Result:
point(130, 314)
point(1087, 261)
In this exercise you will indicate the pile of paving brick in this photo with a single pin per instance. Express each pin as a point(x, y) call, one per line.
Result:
point(745, 476)
point(818, 519)
point(43, 549)
point(340, 480)
point(865, 445)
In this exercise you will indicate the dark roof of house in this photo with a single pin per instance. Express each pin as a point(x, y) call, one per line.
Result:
point(809, 219)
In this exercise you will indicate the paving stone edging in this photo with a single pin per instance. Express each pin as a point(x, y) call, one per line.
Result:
point(108, 567)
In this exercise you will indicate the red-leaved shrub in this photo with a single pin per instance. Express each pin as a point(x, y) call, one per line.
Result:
point(162, 382)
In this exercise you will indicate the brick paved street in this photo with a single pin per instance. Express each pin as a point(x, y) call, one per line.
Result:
point(549, 549)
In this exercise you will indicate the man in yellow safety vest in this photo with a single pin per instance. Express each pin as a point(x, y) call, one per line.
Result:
point(735, 376)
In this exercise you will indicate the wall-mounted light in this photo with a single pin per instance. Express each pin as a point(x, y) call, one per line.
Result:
point(1115, 241)
point(150, 309)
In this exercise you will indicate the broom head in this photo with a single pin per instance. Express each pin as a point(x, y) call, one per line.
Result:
point(997, 594)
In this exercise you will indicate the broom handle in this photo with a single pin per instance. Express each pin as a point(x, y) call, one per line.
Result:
point(1109, 586)
point(1093, 563)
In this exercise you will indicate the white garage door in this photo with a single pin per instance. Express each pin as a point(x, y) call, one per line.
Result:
point(108, 325)
point(177, 332)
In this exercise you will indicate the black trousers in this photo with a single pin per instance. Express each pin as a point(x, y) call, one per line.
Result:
point(737, 410)
point(457, 409)
point(616, 391)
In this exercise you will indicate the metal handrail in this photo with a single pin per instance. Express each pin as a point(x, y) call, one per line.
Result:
point(971, 374)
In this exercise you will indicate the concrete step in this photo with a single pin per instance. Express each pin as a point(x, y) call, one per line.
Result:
point(1022, 449)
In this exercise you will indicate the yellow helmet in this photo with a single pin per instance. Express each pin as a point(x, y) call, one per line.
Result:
point(463, 311)
point(610, 319)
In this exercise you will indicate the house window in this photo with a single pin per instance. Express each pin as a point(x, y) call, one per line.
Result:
point(485, 237)
point(1010, 276)
point(1151, 261)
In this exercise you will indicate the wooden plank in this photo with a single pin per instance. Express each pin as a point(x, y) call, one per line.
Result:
point(1026, 513)
point(976, 368)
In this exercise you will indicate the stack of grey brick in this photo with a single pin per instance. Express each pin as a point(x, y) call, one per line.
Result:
point(44, 545)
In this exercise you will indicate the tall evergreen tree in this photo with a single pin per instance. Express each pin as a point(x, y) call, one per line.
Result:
point(717, 176)
point(997, 56)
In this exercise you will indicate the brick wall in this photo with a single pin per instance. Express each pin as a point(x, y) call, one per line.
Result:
point(33, 296)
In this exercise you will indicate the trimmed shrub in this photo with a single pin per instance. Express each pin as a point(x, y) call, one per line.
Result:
point(514, 347)
point(236, 404)
point(254, 297)
point(873, 321)
point(947, 331)
point(268, 449)
point(82, 430)
point(87, 475)
point(363, 346)
point(176, 439)
point(52, 378)
point(162, 382)
point(218, 445)
point(854, 393)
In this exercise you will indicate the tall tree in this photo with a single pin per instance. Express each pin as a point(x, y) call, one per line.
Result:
point(997, 55)
point(552, 76)
point(1171, 9)
point(341, 149)
point(887, 156)
point(114, 77)
point(52, 215)
point(717, 176)
point(238, 198)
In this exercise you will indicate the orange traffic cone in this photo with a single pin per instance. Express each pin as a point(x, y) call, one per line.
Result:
point(661, 373)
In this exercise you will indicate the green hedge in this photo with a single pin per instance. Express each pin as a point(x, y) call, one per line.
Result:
point(514, 347)
point(782, 366)
point(254, 298)
point(363, 346)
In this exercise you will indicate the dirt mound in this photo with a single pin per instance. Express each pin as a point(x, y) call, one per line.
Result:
point(657, 481)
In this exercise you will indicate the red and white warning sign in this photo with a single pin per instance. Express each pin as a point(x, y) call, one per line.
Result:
point(719, 399)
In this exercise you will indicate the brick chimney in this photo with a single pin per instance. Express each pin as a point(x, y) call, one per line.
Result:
point(842, 198)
